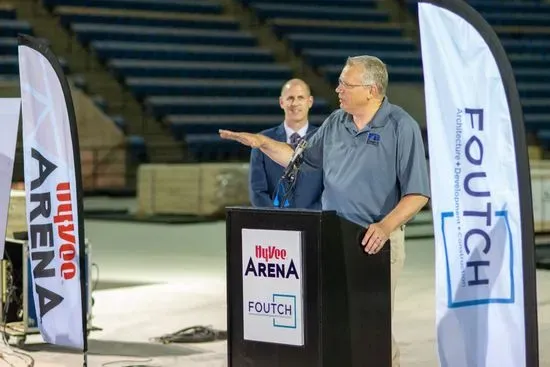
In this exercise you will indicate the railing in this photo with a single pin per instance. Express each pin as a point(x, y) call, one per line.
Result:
point(103, 168)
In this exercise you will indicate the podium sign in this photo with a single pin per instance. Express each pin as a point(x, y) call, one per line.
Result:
point(301, 291)
point(272, 266)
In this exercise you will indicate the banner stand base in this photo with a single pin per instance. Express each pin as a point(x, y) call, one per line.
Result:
point(18, 319)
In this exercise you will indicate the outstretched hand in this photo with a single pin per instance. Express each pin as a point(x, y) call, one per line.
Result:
point(248, 139)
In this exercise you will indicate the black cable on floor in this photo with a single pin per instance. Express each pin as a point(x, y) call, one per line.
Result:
point(129, 361)
point(193, 334)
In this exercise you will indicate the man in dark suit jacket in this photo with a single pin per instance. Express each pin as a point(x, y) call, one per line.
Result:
point(295, 100)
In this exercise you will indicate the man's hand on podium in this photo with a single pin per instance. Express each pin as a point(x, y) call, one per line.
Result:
point(375, 238)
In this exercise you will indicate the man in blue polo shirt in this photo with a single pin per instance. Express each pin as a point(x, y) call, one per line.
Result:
point(372, 155)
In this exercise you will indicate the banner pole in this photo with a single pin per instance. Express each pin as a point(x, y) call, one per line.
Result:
point(53, 174)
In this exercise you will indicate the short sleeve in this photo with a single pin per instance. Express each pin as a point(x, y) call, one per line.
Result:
point(412, 168)
point(313, 154)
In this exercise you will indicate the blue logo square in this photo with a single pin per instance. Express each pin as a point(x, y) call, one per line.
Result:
point(287, 298)
point(507, 270)
point(373, 138)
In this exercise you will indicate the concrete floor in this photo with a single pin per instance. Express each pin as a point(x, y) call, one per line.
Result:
point(157, 279)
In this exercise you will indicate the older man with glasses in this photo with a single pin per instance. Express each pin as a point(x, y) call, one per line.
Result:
point(373, 159)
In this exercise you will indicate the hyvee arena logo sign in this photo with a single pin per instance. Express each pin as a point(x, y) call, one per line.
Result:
point(272, 286)
point(476, 233)
point(277, 268)
point(51, 232)
point(273, 262)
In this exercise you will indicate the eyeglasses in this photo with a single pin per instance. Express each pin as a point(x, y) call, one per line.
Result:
point(349, 86)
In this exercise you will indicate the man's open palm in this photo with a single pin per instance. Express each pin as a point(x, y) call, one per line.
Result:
point(248, 139)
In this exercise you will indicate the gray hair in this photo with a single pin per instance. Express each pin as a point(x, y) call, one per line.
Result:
point(375, 71)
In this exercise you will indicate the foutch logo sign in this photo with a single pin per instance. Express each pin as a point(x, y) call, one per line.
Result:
point(281, 310)
point(476, 233)
point(481, 200)
point(272, 286)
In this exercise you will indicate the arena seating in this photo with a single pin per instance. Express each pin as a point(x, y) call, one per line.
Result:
point(10, 27)
point(524, 31)
point(182, 58)
point(325, 33)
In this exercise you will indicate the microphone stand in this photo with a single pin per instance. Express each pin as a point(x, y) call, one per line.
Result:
point(276, 202)
point(290, 175)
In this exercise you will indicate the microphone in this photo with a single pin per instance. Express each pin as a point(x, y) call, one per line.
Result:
point(302, 145)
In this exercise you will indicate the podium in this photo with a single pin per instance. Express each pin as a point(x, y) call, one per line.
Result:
point(301, 291)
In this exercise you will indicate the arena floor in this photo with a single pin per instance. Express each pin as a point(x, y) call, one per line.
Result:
point(156, 279)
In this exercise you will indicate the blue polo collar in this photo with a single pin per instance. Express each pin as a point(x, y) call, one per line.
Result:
point(380, 118)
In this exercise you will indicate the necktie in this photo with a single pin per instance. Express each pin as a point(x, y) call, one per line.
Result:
point(294, 140)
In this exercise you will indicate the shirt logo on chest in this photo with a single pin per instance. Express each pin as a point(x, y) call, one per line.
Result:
point(373, 139)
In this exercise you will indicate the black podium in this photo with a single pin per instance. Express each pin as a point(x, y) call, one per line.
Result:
point(301, 292)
